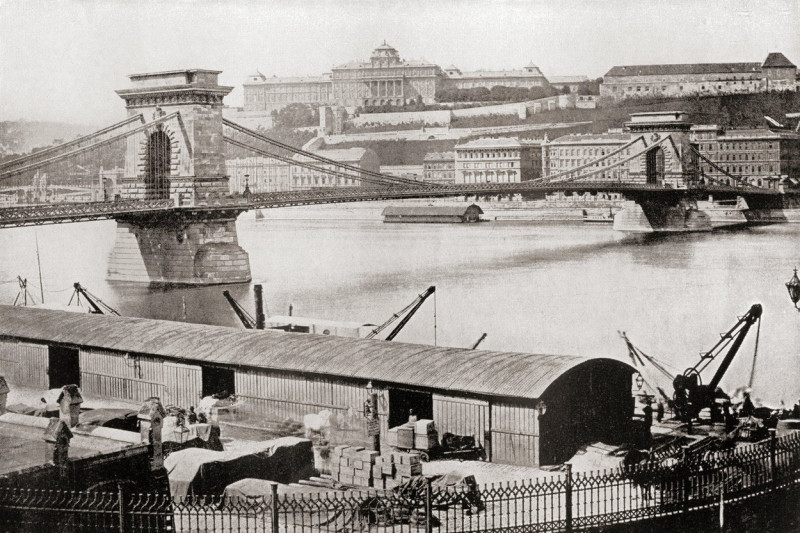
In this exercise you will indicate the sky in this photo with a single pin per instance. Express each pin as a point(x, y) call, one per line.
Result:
point(61, 60)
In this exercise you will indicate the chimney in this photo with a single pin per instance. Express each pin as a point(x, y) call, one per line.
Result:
point(57, 436)
point(4, 390)
point(151, 420)
point(69, 405)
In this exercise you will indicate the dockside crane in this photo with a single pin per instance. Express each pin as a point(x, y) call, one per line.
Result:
point(97, 306)
point(411, 309)
point(247, 320)
point(691, 394)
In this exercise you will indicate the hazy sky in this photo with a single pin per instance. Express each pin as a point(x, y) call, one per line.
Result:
point(62, 60)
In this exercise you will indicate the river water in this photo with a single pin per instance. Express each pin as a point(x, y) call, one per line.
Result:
point(531, 287)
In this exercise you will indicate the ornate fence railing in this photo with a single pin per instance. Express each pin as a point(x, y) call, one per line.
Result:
point(563, 502)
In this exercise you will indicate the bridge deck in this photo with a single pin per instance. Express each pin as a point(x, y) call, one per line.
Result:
point(74, 212)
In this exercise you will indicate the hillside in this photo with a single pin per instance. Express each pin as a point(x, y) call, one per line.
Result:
point(732, 111)
point(20, 137)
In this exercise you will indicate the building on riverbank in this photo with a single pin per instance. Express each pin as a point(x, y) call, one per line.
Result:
point(526, 409)
point(498, 160)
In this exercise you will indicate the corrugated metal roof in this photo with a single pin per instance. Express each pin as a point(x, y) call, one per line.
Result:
point(448, 369)
point(685, 68)
point(429, 210)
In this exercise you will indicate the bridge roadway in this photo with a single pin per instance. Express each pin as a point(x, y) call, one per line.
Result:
point(40, 214)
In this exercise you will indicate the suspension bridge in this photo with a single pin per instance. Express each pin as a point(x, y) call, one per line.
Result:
point(161, 174)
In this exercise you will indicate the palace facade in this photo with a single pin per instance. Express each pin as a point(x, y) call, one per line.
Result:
point(384, 79)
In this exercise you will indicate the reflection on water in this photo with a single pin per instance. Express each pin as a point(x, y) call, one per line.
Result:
point(532, 288)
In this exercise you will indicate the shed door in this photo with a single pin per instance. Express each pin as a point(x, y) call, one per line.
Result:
point(183, 384)
point(461, 416)
point(33, 361)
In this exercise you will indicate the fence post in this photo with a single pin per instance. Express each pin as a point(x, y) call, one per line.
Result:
point(274, 508)
point(773, 467)
point(428, 506)
point(568, 499)
point(121, 507)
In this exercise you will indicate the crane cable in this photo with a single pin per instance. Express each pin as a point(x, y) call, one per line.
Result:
point(755, 355)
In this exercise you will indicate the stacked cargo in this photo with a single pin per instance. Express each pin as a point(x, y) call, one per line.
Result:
point(352, 465)
point(419, 435)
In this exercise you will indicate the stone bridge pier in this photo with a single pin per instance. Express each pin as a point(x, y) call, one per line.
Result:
point(181, 159)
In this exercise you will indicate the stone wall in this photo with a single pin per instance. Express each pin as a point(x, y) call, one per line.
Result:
point(180, 249)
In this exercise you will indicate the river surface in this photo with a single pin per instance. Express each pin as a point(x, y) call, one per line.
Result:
point(555, 289)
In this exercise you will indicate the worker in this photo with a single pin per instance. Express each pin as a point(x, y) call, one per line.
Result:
point(660, 411)
point(412, 418)
point(192, 415)
point(648, 414)
point(730, 419)
point(747, 408)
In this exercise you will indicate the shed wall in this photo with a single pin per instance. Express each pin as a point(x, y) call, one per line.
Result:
point(461, 416)
point(280, 396)
point(515, 434)
point(108, 373)
point(183, 384)
point(24, 363)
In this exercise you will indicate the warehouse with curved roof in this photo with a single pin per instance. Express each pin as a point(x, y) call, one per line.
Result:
point(498, 397)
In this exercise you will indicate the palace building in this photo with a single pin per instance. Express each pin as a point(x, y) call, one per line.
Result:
point(632, 81)
point(384, 79)
point(527, 78)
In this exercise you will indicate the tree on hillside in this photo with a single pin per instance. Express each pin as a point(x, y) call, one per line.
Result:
point(590, 86)
point(295, 116)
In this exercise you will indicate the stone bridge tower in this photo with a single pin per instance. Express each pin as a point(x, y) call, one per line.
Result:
point(180, 159)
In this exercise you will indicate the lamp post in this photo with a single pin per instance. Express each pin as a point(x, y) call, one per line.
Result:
point(371, 414)
point(541, 408)
point(246, 191)
point(793, 286)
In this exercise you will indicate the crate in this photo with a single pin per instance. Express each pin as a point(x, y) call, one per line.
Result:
point(424, 427)
point(425, 441)
point(405, 437)
point(391, 437)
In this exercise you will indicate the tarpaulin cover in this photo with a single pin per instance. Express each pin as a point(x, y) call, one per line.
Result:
point(261, 489)
point(199, 471)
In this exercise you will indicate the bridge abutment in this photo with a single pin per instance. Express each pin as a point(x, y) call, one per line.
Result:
point(178, 248)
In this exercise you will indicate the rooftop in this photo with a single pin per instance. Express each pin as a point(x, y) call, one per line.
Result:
point(592, 138)
point(440, 156)
point(22, 442)
point(533, 73)
point(490, 373)
point(337, 154)
point(777, 59)
point(684, 68)
point(429, 210)
point(497, 142)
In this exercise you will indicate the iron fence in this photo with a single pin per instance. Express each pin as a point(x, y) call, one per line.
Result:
point(566, 501)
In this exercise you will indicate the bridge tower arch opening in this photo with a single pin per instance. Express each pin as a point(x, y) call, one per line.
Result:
point(655, 166)
point(158, 158)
